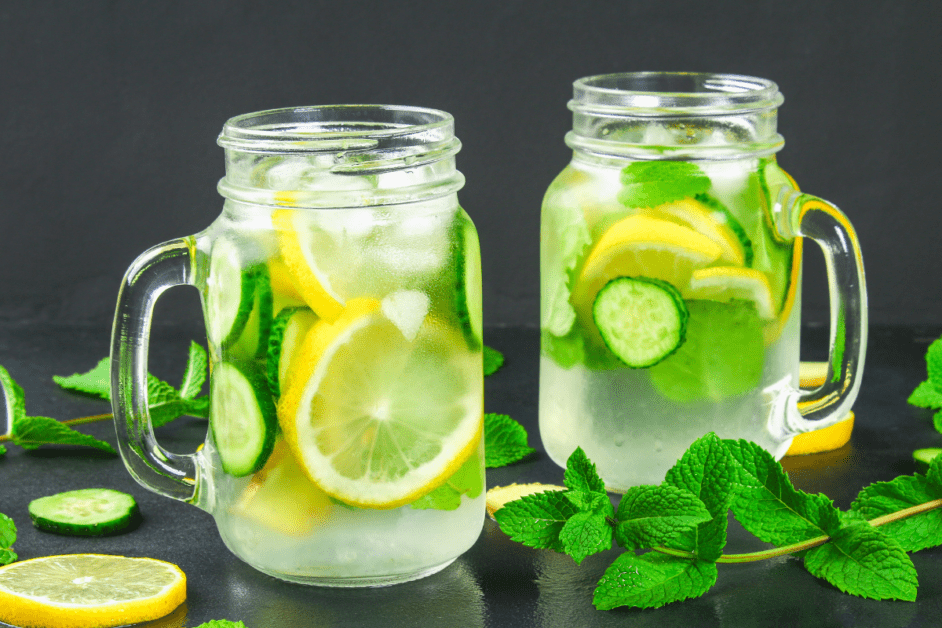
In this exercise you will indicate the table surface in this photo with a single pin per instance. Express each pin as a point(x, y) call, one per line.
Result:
point(497, 582)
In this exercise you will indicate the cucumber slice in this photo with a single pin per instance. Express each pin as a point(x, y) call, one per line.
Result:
point(723, 216)
point(468, 288)
point(242, 419)
point(923, 458)
point(85, 512)
point(641, 320)
point(287, 332)
point(252, 342)
point(230, 295)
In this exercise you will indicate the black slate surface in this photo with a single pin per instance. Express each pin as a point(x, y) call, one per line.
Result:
point(497, 582)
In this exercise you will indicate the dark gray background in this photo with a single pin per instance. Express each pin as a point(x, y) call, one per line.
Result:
point(109, 113)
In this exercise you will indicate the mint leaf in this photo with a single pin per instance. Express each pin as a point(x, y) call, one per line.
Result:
point(926, 396)
point(649, 516)
point(3, 450)
point(653, 183)
point(565, 234)
point(13, 398)
point(768, 506)
point(536, 520)
point(467, 480)
point(30, 432)
point(505, 441)
point(195, 374)
point(493, 360)
point(222, 623)
point(95, 382)
point(704, 470)
point(581, 478)
point(652, 580)
point(7, 532)
point(862, 560)
point(934, 474)
point(164, 413)
point(7, 556)
point(934, 363)
point(587, 533)
point(912, 533)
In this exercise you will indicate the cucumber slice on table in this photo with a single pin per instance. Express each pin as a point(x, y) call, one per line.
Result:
point(641, 320)
point(287, 332)
point(242, 419)
point(85, 512)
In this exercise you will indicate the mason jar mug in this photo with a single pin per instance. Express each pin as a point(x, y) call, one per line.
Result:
point(341, 293)
point(670, 268)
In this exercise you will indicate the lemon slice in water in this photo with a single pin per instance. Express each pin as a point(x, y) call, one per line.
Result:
point(723, 283)
point(306, 275)
point(88, 590)
point(377, 420)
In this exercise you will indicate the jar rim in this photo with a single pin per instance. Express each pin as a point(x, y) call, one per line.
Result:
point(331, 128)
point(673, 93)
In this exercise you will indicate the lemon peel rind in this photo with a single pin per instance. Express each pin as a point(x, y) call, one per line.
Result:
point(18, 610)
point(319, 297)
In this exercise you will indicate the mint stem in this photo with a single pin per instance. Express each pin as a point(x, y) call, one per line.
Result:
point(808, 544)
point(79, 421)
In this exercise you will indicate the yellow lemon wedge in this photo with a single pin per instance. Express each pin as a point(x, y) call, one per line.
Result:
point(282, 497)
point(641, 246)
point(88, 590)
point(725, 283)
point(812, 375)
point(377, 420)
point(693, 214)
point(305, 274)
point(499, 496)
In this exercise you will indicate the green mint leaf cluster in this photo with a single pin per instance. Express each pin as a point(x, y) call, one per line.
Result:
point(653, 183)
point(7, 539)
point(929, 393)
point(862, 551)
point(30, 432)
point(166, 402)
point(505, 441)
point(222, 623)
point(493, 360)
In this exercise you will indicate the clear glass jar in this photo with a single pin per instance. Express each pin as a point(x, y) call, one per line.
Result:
point(341, 291)
point(670, 278)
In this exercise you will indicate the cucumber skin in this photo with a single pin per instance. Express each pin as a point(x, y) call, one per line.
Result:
point(256, 292)
point(678, 303)
point(464, 232)
point(124, 523)
point(276, 334)
point(266, 407)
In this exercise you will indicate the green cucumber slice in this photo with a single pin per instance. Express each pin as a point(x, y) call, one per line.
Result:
point(85, 512)
point(242, 419)
point(468, 277)
point(923, 458)
point(252, 342)
point(230, 294)
point(723, 216)
point(641, 320)
point(287, 332)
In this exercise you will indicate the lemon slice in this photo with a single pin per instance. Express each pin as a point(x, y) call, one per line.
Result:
point(282, 498)
point(641, 246)
point(724, 283)
point(306, 276)
point(693, 214)
point(377, 420)
point(88, 590)
point(825, 439)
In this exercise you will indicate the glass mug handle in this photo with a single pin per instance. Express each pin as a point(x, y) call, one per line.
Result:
point(799, 214)
point(173, 475)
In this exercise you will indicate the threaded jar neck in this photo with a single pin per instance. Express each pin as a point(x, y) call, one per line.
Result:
point(675, 115)
point(340, 156)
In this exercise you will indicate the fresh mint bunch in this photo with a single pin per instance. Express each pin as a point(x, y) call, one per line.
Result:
point(674, 534)
point(929, 393)
point(166, 402)
point(653, 183)
point(7, 539)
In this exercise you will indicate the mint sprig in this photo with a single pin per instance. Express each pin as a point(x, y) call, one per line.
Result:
point(7, 539)
point(928, 394)
point(505, 441)
point(652, 183)
point(493, 360)
point(680, 526)
point(166, 404)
